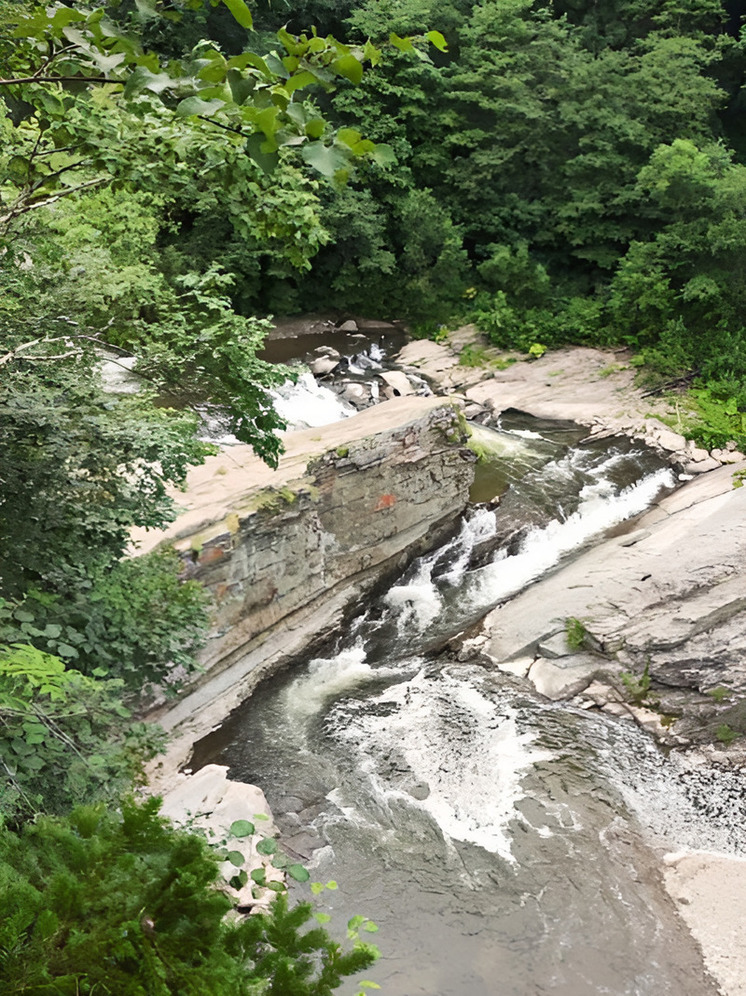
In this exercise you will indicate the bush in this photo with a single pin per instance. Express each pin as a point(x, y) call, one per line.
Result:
point(135, 622)
point(65, 739)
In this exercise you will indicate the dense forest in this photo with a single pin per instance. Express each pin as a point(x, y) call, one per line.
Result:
point(173, 172)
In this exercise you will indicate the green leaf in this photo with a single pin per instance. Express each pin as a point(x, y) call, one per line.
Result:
point(259, 875)
point(315, 127)
point(371, 54)
point(317, 888)
point(367, 984)
point(276, 886)
point(196, 105)
point(322, 918)
point(348, 136)
point(267, 845)
point(241, 13)
point(236, 858)
point(404, 44)
point(266, 161)
point(299, 81)
point(326, 159)
point(349, 67)
point(436, 38)
point(299, 873)
point(241, 86)
point(143, 79)
point(250, 59)
point(332, 885)
point(65, 650)
point(371, 927)
point(383, 154)
point(241, 828)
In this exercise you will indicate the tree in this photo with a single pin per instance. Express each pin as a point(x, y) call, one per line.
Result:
point(121, 902)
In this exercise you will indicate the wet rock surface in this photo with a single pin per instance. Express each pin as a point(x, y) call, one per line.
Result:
point(660, 614)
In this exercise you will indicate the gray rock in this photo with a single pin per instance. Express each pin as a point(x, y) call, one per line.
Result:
point(355, 392)
point(348, 326)
point(284, 551)
point(323, 365)
point(302, 845)
point(727, 456)
point(398, 382)
point(674, 601)
point(564, 679)
point(556, 646)
point(701, 466)
point(419, 791)
point(671, 441)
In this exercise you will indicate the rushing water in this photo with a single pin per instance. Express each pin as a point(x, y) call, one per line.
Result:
point(497, 839)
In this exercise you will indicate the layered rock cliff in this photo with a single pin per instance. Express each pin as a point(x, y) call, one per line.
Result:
point(284, 552)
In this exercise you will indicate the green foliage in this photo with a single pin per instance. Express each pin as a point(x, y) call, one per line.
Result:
point(136, 622)
point(637, 687)
point(64, 738)
point(720, 694)
point(252, 95)
point(725, 734)
point(473, 356)
point(536, 350)
point(79, 467)
point(713, 416)
point(575, 633)
point(121, 902)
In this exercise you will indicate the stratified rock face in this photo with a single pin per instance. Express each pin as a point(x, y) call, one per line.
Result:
point(355, 510)
point(284, 552)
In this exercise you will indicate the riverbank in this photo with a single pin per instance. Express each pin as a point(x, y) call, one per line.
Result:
point(593, 387)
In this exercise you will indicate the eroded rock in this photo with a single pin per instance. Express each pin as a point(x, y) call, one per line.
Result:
point(284, 552)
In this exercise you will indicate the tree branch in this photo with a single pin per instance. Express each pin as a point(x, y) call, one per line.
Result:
point(17, 211)
point(60, 79)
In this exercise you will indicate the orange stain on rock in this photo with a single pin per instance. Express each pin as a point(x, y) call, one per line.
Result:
point(385, 501)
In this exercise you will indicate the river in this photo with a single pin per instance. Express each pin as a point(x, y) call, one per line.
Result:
point(504, 845)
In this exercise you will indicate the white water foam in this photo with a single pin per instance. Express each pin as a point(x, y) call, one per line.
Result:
point(460, 744)
point(306, 404)
point(325, 679)
point(542, 549)
point(420, 602)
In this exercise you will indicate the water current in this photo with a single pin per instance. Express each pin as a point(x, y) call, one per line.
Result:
point(503, 844)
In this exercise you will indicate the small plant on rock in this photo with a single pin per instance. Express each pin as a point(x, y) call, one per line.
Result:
point(575, 633)
point(726, 734)
point(637, 687)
